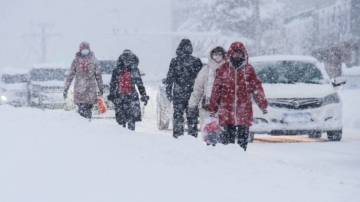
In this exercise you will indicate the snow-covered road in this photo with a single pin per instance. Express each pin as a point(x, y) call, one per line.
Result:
point(59, 156)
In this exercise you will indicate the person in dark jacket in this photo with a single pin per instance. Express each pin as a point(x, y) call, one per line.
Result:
point(123, 92)
point(235, 83)
point(179, 85)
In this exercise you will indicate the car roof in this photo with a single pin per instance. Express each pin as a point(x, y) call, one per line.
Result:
point(274, 58)
point(49, 66)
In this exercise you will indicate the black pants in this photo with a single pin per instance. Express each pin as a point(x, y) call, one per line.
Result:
point(231, 132)
point(85, 110)
point(124, 113)
point(192, 121)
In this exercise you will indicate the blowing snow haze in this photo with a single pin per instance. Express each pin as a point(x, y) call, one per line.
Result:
point(103, 24)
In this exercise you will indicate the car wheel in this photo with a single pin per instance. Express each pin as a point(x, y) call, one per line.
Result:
point(162, 125)
point(335, 135)
point(251, 137)
point(315, 134)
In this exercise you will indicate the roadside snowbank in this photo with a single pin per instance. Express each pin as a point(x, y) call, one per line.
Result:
point(59, 156)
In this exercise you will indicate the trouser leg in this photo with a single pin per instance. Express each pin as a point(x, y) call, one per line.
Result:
point(178, 120)
point(120, 113)
point(192, 122)
point(242, 136)
point(130, 115)
point(85, 110)
point(228, 134)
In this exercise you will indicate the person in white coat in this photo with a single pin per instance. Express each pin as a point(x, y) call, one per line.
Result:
point(201, 94)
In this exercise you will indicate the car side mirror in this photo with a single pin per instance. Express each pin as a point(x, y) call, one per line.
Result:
point(338, 81)
point(163, 81)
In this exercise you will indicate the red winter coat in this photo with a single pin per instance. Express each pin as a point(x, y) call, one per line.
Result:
point(232, 91)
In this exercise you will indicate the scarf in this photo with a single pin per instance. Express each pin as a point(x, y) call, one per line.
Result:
point(84, 63)
point(125, 83)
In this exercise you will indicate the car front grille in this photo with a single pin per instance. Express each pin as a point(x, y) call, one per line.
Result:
point(296, 103)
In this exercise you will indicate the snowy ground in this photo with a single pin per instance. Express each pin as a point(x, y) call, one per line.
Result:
point(59, 156)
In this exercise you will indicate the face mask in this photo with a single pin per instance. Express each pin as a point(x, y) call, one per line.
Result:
point(218, 58)
point(237, 62)
point(85, 52)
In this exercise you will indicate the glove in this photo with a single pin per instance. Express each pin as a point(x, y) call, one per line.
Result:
point(205, 107)
point(110, 97)
point(264, 111)
point(193, 112)
point(101, 91)
point(145, 99)
point(65, 94)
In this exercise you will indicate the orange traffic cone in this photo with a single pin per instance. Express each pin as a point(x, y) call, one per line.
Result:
point(101, 105)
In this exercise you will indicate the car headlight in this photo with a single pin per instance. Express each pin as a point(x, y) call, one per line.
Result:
point(3, 97)
point(330, 99)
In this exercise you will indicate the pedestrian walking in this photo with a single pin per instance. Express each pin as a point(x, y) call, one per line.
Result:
point(234, 86)
point(179, 85)
point(123, 92)
point(88, 81)
point(200, 97)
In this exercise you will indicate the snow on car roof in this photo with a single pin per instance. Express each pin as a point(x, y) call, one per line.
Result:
point(49, 66)
point(12, 70)
point(269, 58)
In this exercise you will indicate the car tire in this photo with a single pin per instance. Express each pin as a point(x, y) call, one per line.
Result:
point(315, 134)
point(335, 135)
point(251, 137)
point(162, 125)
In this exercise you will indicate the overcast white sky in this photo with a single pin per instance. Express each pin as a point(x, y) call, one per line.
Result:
point(78, 20)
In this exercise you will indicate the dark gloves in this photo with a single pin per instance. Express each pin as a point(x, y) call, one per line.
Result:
point(145, 99)
point(65, 94)
point(110, 97)
point(101, 91)
point(205, 107)
point(193, 112)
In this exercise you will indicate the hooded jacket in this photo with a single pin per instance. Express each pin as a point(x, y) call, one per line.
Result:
point(135, 78)
point(182, 73)
point(233, 89)
point(87, 81)
point(205, 80)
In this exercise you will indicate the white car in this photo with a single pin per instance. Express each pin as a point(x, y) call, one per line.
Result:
point(13, 87)
point(46, 87)
point(302, 99)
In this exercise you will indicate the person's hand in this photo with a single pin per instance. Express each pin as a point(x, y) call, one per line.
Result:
point(145, 99)
point(264, 111)
point(101, 91)
point(205, 107)
point(193, 111)
point(65, 94)
point(110, 97)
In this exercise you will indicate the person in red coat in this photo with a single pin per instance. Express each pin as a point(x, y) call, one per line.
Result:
point(235, 83)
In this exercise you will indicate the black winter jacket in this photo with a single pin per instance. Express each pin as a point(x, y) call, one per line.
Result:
point(182, 73)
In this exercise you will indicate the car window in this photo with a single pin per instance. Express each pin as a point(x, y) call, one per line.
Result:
point(18, 78)
point(107, 66)
point(287, 72)
point(48, 74)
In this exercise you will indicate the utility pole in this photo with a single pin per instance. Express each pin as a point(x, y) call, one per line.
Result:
point(43, 37)
point(257, 27)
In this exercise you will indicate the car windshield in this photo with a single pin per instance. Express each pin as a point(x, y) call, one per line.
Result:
point(17, 78)
point(288, 72)
point(48, 74)
point(107, 66)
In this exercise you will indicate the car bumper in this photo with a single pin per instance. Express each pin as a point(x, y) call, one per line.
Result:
point(325, 118)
